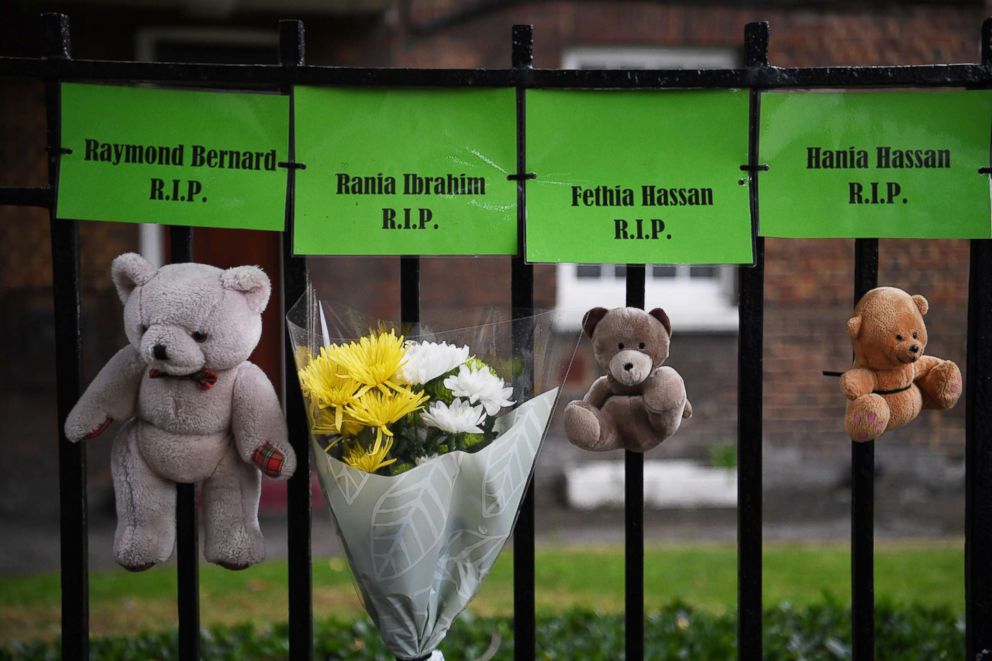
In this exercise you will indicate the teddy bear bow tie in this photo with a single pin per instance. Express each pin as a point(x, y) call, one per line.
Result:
point(205, 379)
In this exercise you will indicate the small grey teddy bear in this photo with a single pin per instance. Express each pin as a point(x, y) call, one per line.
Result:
point(195, 409)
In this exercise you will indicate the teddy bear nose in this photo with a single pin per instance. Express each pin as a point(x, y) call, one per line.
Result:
point(915, 348)
point(628, 366)
point(159, 352)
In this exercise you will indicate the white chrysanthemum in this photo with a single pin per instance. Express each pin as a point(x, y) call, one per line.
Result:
point(480, 385)
point(423, 459)
point(428, 360)
point(459, 417)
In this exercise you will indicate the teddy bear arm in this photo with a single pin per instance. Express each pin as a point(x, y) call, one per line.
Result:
point(923, 366)
point(598, 392)
point(857, 382)
point(112, 395)
point(259, 426)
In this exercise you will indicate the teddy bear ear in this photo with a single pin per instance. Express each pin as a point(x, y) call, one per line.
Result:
point(591, 318)
point(921, 303)
point(661, 316)
point(250, 281)
point(129, 271)
point(854, 327)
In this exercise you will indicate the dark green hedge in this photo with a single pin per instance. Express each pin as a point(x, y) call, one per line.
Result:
point(677, 632)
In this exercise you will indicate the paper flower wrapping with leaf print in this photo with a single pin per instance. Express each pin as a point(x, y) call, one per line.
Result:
point(422, 531)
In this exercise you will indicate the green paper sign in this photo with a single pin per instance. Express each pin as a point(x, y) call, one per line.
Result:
point(207, 159)
point(875, 164)
point(639, 177)
point(405, 172)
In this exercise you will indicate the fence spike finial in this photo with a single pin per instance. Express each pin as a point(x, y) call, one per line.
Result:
point(523, 46)
point(987, 42)
point(57, 42)
point(291, 42)
point(756, 44)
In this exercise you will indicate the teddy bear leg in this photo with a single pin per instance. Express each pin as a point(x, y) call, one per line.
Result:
point(941, 387)
point(665, 401)
point(867, 417)
point(588, 428)
point(232, 538)
point(146, 506)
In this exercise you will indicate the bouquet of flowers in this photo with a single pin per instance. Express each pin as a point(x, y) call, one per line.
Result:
point(384, 404)
point(424, 442)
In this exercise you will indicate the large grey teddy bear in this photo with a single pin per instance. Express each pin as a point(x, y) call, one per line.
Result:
point(195, 409)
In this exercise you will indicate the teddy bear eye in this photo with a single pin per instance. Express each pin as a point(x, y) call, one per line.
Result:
point(640, 345)
point(915, 335)
point(899, 338)
point(620, 346)
point(200, 337)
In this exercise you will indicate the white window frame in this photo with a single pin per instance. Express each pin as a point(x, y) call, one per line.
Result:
point(635, 57)
point(706, 304)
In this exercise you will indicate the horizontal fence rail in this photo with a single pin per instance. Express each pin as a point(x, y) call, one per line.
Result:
point(765, 77)
point(757, 76)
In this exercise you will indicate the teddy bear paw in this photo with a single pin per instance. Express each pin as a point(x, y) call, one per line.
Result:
point(269, 460)
point(235, 549)
point(866, 418)
point(137, 549)
point(84, 425)
point(582, 427)
point(946, 378)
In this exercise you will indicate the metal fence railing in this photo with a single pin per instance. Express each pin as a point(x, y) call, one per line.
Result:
point(757, 75)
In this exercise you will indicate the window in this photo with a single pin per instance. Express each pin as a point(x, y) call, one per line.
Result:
point(698, 298)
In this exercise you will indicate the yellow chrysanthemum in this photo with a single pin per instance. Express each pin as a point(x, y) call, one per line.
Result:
point(369, 460)
point(325, 387)
point(327, 422)
point(376, 409)
point(373, 361)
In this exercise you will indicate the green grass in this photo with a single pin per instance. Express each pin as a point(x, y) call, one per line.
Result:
point(702, 576)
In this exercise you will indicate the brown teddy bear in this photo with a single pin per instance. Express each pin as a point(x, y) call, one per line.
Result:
point(639, 403)
point(892, 379)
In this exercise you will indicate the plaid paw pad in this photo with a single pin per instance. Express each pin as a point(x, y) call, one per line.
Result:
point(268, 459)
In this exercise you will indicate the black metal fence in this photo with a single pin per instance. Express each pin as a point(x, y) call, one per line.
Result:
point(757, 75)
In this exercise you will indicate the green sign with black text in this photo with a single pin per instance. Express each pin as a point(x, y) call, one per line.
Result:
point(405, 172)
point(206, 159)
point(640, 177)
point(875, 164)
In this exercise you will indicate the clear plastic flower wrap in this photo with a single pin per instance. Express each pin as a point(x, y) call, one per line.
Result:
point(424, 438)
